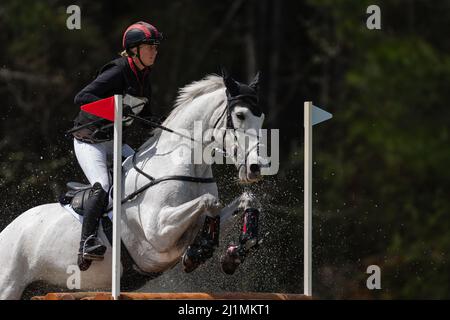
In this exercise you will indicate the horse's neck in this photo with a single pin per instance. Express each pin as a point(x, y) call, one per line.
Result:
point(204, 109)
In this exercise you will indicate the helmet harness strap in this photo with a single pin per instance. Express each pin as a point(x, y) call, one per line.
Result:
point(138, 55)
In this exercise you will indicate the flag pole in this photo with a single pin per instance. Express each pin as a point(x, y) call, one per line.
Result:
point(307, 193)
point(312, 116)
point(117, 196)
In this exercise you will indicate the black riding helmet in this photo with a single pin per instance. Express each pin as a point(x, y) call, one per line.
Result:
point(139, 33)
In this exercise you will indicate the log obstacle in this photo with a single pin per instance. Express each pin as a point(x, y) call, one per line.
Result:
point(172, 296)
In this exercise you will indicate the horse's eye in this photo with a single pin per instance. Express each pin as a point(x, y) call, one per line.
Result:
point(240, 116)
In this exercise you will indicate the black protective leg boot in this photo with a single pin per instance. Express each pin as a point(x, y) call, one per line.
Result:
point(203, 247)
point(248, 240)
point(90, 246)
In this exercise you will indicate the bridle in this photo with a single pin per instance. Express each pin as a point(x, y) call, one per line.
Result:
point(250, 101)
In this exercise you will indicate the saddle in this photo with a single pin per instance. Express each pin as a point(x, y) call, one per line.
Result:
point(77, 195)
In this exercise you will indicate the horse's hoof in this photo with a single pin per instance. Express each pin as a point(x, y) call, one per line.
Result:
point(195, 255)
point(191, 258)
point(230, 260)
point(188, 263)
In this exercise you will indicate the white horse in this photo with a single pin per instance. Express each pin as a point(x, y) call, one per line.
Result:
point(159, 224)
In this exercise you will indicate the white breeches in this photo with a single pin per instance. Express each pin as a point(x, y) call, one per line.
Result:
point(95, 159)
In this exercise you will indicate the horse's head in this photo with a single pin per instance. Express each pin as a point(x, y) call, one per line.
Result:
point(244, 119)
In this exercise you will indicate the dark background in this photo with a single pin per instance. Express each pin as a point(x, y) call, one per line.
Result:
point(381, 165)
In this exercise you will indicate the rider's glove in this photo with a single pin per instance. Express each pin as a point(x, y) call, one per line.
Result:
point(127, 111)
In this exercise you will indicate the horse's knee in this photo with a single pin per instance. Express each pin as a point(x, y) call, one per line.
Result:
point(211, 204)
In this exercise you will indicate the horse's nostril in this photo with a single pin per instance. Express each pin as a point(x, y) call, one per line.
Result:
point(254, 168)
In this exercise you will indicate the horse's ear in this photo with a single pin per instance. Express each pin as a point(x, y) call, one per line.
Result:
point(255, 83)
point(230, 84)
point(224, 72)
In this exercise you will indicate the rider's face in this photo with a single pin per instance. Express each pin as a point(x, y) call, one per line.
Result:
point(148, 54)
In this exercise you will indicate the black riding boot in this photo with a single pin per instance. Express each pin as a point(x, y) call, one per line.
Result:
point(90, 246)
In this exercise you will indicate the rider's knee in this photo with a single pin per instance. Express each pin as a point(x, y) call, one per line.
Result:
point(104, 184)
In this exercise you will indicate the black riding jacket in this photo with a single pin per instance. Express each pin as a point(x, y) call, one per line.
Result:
point(119, 76)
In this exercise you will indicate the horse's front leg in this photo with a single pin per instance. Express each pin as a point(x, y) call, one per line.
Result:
point(208, 238)
point(248, 239)
point(173, 222)
point(204, 244)
point(239, 204)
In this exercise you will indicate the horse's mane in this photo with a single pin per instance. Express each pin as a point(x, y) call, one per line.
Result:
point(188, 93)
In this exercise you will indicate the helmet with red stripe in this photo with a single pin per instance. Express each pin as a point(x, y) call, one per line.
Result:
point(139, 33)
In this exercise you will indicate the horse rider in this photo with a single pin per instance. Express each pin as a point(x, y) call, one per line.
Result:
point(127, 75)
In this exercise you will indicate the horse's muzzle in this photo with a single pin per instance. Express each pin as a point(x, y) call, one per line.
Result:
point(250, 173)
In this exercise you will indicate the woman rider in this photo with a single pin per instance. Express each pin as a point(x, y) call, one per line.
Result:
point(127, 75)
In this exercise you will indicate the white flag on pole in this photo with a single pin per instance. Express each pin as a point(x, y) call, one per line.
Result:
point(319, 115)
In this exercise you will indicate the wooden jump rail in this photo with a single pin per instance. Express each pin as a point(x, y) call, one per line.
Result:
point(172, 296)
